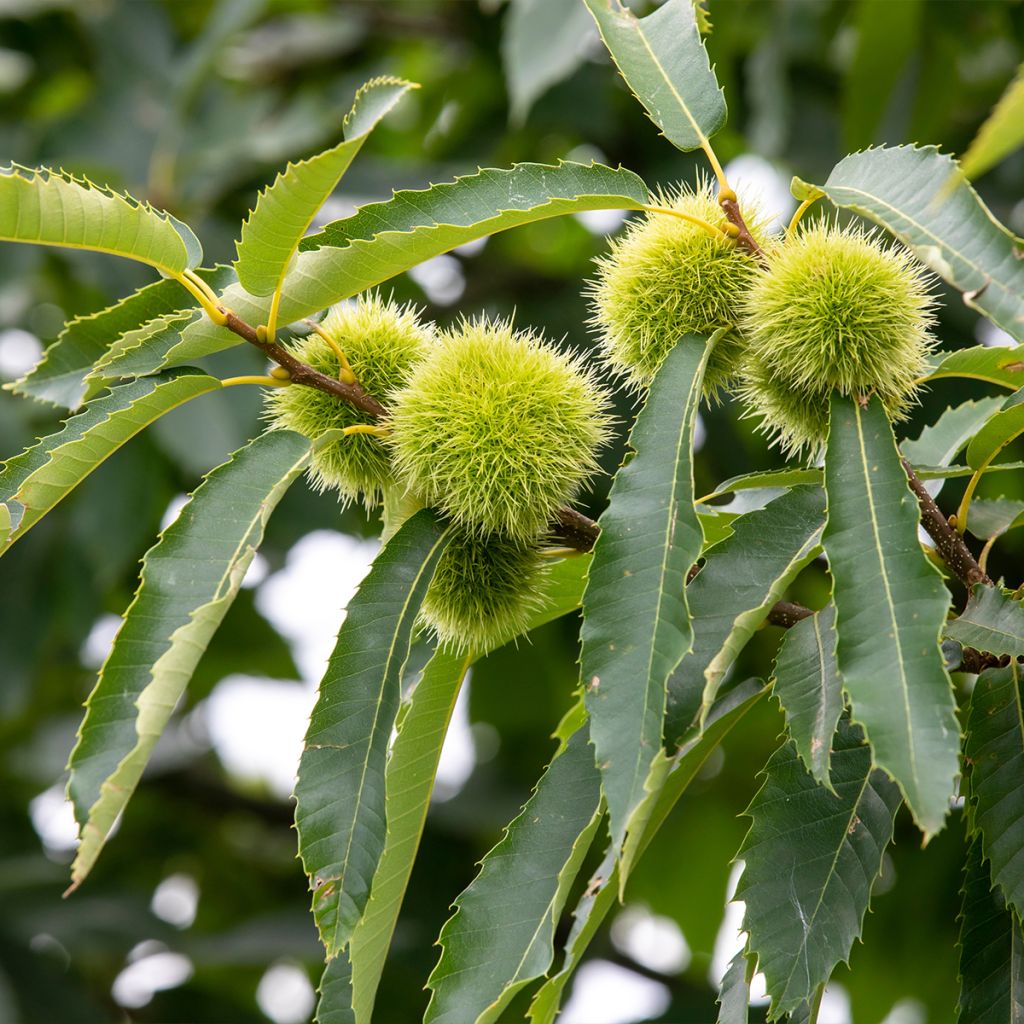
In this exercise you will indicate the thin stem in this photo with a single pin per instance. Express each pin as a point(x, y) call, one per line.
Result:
point(964, 508)
point(275, 303)
point(367, 428)
point(711, 229)
point(345, 373)
point(800, 211)
point(204, 295)
point(983, 557)
point(723, 184)
point(267, 382)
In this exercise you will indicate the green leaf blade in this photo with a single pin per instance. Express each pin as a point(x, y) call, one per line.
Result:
point(272, 232)
point(732, 594)
point(992, 621)
point(48, 207)
point(1002, 428)
point(890, 609)
point(810, 859)
point(188, 581)
point(502, 933)
point(663, 60)
point(995, 747)
point(34, 482)
point(809, 689)
point(921, 196)
point(992, 364)
point(340, 793)
point(1001, 134)
point(636, 624)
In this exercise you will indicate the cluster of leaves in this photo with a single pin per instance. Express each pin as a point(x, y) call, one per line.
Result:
point(871, 712)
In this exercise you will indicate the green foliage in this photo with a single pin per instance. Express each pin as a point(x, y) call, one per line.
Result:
point(992, 621)
point(997, 432)
point(284, 211)
point(734, 994)
point(484, 591)
point(47, 207)
point(921, 196)
point(667, 278)
point(808, 686)
point(383, 343)
point(890, 608)
point(1001, 134)
point(339, 794)
point(810, 860)
point(636, 622)
point(835, 311)
point(1002, 366)
point(663, 59)
point(167, 628)
point(498, 429)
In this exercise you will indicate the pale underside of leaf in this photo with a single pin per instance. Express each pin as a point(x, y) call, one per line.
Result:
point(340, 793)
point(992, 621)
point(992, 364)
point(284, 211)
point(810, 860)
point(189, 579)
point(890, 609)
point(32, 483)
point(734, 992)
point(48, 207)
point(1002, 428)
point(921, 196)
point(636, 624)
point(382, 240)
point(502, 933)
point(663, 60)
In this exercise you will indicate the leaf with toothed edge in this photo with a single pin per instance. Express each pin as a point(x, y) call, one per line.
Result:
point(502, 933)
point(382, 240)
point(189, 579)
point(922, 197)
point(335, 991)
point(734, 591)
point(636, 624)
point(992, 364)
point(995, 749)
point(991, 968)
point(52, 207)
point(891, 608)
point(409, 781)
point(808, 687)
point(340, 812)
point(611, 875)
point(35, 481)
point(810, 860)
point(734, 992)
point(285, 209)
point(1002, 428)
point(664, 62)
point(992, 621)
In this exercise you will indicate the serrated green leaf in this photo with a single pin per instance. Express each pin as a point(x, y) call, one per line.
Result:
point(769, 478)
point(542, 43)
point(502, 933)
point(992, 517)
point(34, 482)
point(340, 812)
point(995, 750)
point(734, 992)
point(606, 884)
point(890, 610)
point(952, 472)
point(1006, 425)
point(382, 240)
point(5, 524)
point(940, 442)
point(734, 591)
point(335, 991)
point(284, 210)
point(50, 207)
point(810, 859)
point(921, 196)
point(662, 58)
point(804, 191)
point(60, 376)
point(1001, 134)
point(636, 624)
point(809, 689)
point(992, 621)
point(189, 579)
point(992, 364)
point(409, 780)
point(991, 951)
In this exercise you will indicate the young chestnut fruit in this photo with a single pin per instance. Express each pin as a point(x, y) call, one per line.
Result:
point(483, 591)
point(666, 278)
point(382, 342)
point(498, 429)
point(834, 310)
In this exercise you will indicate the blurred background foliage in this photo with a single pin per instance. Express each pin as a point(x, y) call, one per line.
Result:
point(194, 106)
